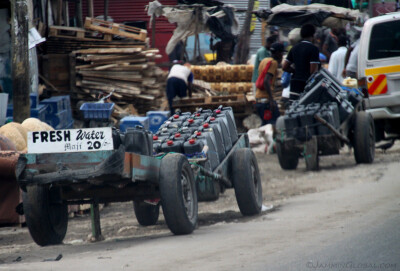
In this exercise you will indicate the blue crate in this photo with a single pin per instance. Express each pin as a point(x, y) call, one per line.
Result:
point(132, 121)
point(55, 104)
point(57, 120)
point(34, 100)
point(156, 119)
point(97, 111)
point(39, 112)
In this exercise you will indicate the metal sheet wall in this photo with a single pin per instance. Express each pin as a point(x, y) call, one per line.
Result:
point(255, 39)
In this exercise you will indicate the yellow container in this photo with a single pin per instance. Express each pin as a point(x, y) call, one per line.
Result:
point(350, 82)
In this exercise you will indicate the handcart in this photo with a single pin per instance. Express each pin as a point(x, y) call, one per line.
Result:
point(325, 118)
point(100, 165)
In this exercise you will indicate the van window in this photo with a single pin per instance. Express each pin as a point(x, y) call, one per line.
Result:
point(385, 40)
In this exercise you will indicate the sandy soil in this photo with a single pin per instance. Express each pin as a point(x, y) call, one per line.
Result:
point(119, 224)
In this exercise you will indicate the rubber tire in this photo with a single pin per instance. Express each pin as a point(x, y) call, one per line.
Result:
point(146, 214)
point(286, 161)
point(179, 220)
point(47, 222)
point(364, 138)
point(247, 182)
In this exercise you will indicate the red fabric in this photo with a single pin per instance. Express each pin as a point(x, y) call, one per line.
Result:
point(261, 77)
point(267, 114)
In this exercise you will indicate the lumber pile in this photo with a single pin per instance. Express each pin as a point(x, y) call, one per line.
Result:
point(138, 84)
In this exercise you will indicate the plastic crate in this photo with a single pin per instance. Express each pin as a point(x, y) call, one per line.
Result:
point(34, 100)
point(156, 119)
point(55, 104)
point(58, 120)
point(97, 111)
point(39, 112)
point(132, 121)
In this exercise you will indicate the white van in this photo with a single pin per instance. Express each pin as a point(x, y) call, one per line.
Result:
point(379, 68)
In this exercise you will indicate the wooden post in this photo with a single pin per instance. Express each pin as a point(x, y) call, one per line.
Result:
point(20, 60)
point(263, 30)
point(65, 13)
point(153, 31)
point(95, 218)
point(59, 12)
point(79, 14)
point(242, 51)
point(90, 8)
point(105, 10)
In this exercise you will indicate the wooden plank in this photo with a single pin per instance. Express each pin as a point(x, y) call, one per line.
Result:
point(115, 29)
point(110, 51)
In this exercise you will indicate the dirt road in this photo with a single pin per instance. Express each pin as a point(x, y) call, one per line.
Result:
point(312, 210)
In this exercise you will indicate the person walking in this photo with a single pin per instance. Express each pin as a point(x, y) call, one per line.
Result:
point(266, 106)
point(336, 63)
point(262, 53)
point(302, 61)
point(179, 81)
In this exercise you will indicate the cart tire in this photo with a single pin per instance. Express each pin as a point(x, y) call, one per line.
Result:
point(47, 219)
point(247, 182)
point(178, 194)
point(364, 138)
point(311, 154)
point(287, 161)
point(146, 214)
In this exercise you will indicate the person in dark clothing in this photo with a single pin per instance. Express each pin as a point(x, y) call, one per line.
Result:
point(224, 50)
point(304, 56)
point(179, 81)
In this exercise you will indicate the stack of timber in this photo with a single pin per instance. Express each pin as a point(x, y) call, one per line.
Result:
point(130, 72)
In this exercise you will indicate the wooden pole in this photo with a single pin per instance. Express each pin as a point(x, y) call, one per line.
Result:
point(65, 13)
point(242, 51)
point(105, 10)
point(59, 12)
point(79, 14)
point(153, 31)
point(90, 8)
point(20, 60)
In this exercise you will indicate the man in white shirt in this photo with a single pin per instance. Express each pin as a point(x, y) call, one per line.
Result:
point(179, 79)
point(337, 60)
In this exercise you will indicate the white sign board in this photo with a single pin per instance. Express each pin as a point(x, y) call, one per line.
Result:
point(72, 140)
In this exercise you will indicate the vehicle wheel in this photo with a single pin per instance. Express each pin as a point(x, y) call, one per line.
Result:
point(364, 138)
point(247, 182)
point(46, 216)
point(178, 194)
point(146, 214)
point(311, 154)
point(287, 161)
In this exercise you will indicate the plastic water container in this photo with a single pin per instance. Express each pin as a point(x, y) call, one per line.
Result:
point(157, 142)
point(171, 145)
point(192, 124)
point(93, 111)
point(3, 107)
point(206, 140)
point(226, 113)
point(132, 121)
point(156, 119)
point(139, 141)
point(216, 138)
point(219, 123)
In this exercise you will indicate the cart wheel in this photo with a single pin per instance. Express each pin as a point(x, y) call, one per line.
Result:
point(287, 160)
point(247, 182)
point(311, 154)
point(364, 138)
point(46, 216)
point(178, 194)
point(146, 214)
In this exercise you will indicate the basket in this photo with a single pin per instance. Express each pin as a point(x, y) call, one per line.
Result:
point(97, 111)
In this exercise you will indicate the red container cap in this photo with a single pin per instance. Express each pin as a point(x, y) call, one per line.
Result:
point(192, 141)
point(197, 114)
point(212, 118)
point(205, 125)
point(218, 111)
point(190, 120)
point(170, 142)
point(198, 134)
point(177, 135)
point(155, 137)
point(176, 116)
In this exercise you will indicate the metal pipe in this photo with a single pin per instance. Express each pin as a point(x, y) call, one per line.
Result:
point(330, 127)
